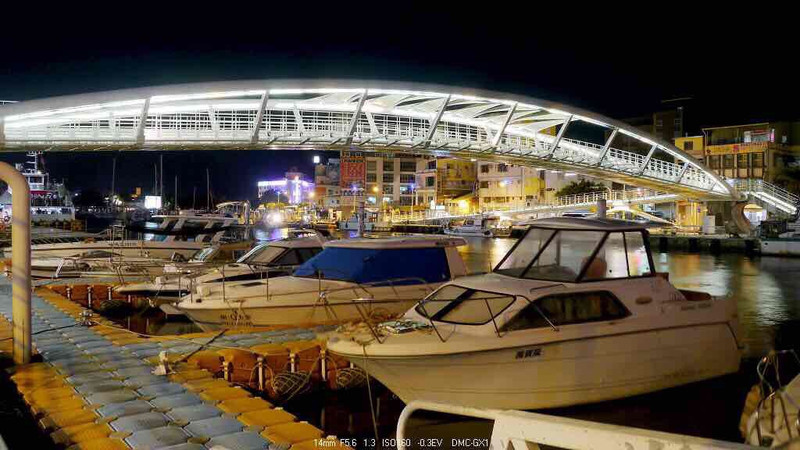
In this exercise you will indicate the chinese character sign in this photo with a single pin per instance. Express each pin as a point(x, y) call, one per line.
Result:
point(353, 169)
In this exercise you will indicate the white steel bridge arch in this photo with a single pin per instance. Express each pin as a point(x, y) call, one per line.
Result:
point(357, 115)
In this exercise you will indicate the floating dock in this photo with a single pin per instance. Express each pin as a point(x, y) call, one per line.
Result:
point(95, 387)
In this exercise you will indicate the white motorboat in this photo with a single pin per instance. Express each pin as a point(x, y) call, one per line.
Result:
point(480, 227)
point(175, 235)
point(94, 264)
point(270, 259)
point(349, 280)
point(574, 313)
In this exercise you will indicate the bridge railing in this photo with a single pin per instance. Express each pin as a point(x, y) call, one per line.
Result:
point(288, 125)
point(767, 192)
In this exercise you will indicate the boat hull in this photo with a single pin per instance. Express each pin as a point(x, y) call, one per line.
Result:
point(293, 314)
point(565, 373)
point(780, 247)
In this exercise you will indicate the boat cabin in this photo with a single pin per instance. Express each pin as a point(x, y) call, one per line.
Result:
point(576, 250)
point(403, 260)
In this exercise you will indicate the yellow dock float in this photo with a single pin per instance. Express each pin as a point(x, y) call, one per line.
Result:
point(95, 387)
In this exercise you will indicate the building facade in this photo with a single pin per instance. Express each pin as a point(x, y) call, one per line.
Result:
point(446, 183)
point(760, 150)
point(504, 186)
point(294, 186)
point(327, 191)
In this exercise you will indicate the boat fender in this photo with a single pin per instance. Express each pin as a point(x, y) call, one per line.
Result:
point(643, 300)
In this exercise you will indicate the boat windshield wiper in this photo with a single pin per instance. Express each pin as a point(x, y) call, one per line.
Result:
point(544, 316)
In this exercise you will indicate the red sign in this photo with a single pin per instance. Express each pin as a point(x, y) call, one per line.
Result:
point(353, 169)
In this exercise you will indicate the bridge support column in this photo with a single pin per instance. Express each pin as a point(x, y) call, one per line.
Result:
point(20, 261)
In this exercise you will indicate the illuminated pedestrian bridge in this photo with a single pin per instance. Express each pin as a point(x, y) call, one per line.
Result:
point(359, 116)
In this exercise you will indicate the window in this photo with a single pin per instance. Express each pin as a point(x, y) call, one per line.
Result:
point(290, 258)
point(388, 166)
point(502, 167)
point(638, 262)
point(688, 145)
point(456, 304)
point(567, 309)
point(432, 164)
point(524, 252)
point(485, 168)
point(367, 265)
point(261, 254)
point(610, 261)
point(408, 166)
point(372, 177)
point(407, 178)
point(484, 185)
point(430, 182)
point(388, 189)
point(758, 160)
point(727, 161)
point(372, 165)
point(564, 254)
point(388, 177)
point(741, 161)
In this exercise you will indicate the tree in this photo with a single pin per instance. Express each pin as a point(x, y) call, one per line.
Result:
point(580, 187)
point(273, 196)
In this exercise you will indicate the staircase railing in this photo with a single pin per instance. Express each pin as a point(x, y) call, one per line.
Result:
point(769, 193)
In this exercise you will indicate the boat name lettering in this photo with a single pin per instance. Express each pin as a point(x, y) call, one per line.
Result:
point(529, 353)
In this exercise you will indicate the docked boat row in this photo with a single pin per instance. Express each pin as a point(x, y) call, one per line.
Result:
point(574, 313)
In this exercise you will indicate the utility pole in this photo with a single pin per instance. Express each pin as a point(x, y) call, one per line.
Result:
point(161, 175)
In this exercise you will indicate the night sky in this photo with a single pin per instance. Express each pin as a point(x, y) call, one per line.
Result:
point(617, 61)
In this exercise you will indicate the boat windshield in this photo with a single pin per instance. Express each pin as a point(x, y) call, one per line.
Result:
point(464, 306)
point(577, 255)
point(204, 254)
point(369, 265)
point(262, 254)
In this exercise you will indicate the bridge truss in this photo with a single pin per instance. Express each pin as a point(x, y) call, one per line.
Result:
point(360, 116)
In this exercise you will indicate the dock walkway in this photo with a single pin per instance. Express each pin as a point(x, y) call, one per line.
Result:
point(95, 388)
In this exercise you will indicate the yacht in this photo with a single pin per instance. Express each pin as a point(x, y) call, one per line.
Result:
point(102, 263)
point(50, 201)
point(174, 236)
point(574, 313)
point(270, 259)
point(348, 280)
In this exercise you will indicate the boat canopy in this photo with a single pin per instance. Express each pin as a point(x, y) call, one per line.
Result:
point(579, 250)
point(400, 266)
point(398, 242)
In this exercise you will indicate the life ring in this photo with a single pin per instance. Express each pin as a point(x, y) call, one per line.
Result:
point(6, 219)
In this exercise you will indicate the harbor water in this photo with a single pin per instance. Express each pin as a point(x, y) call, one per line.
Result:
point(764, 288)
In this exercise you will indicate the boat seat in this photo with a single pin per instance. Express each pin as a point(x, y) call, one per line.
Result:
point(597, 269)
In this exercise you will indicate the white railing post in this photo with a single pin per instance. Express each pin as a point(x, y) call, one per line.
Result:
point(20, 261)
